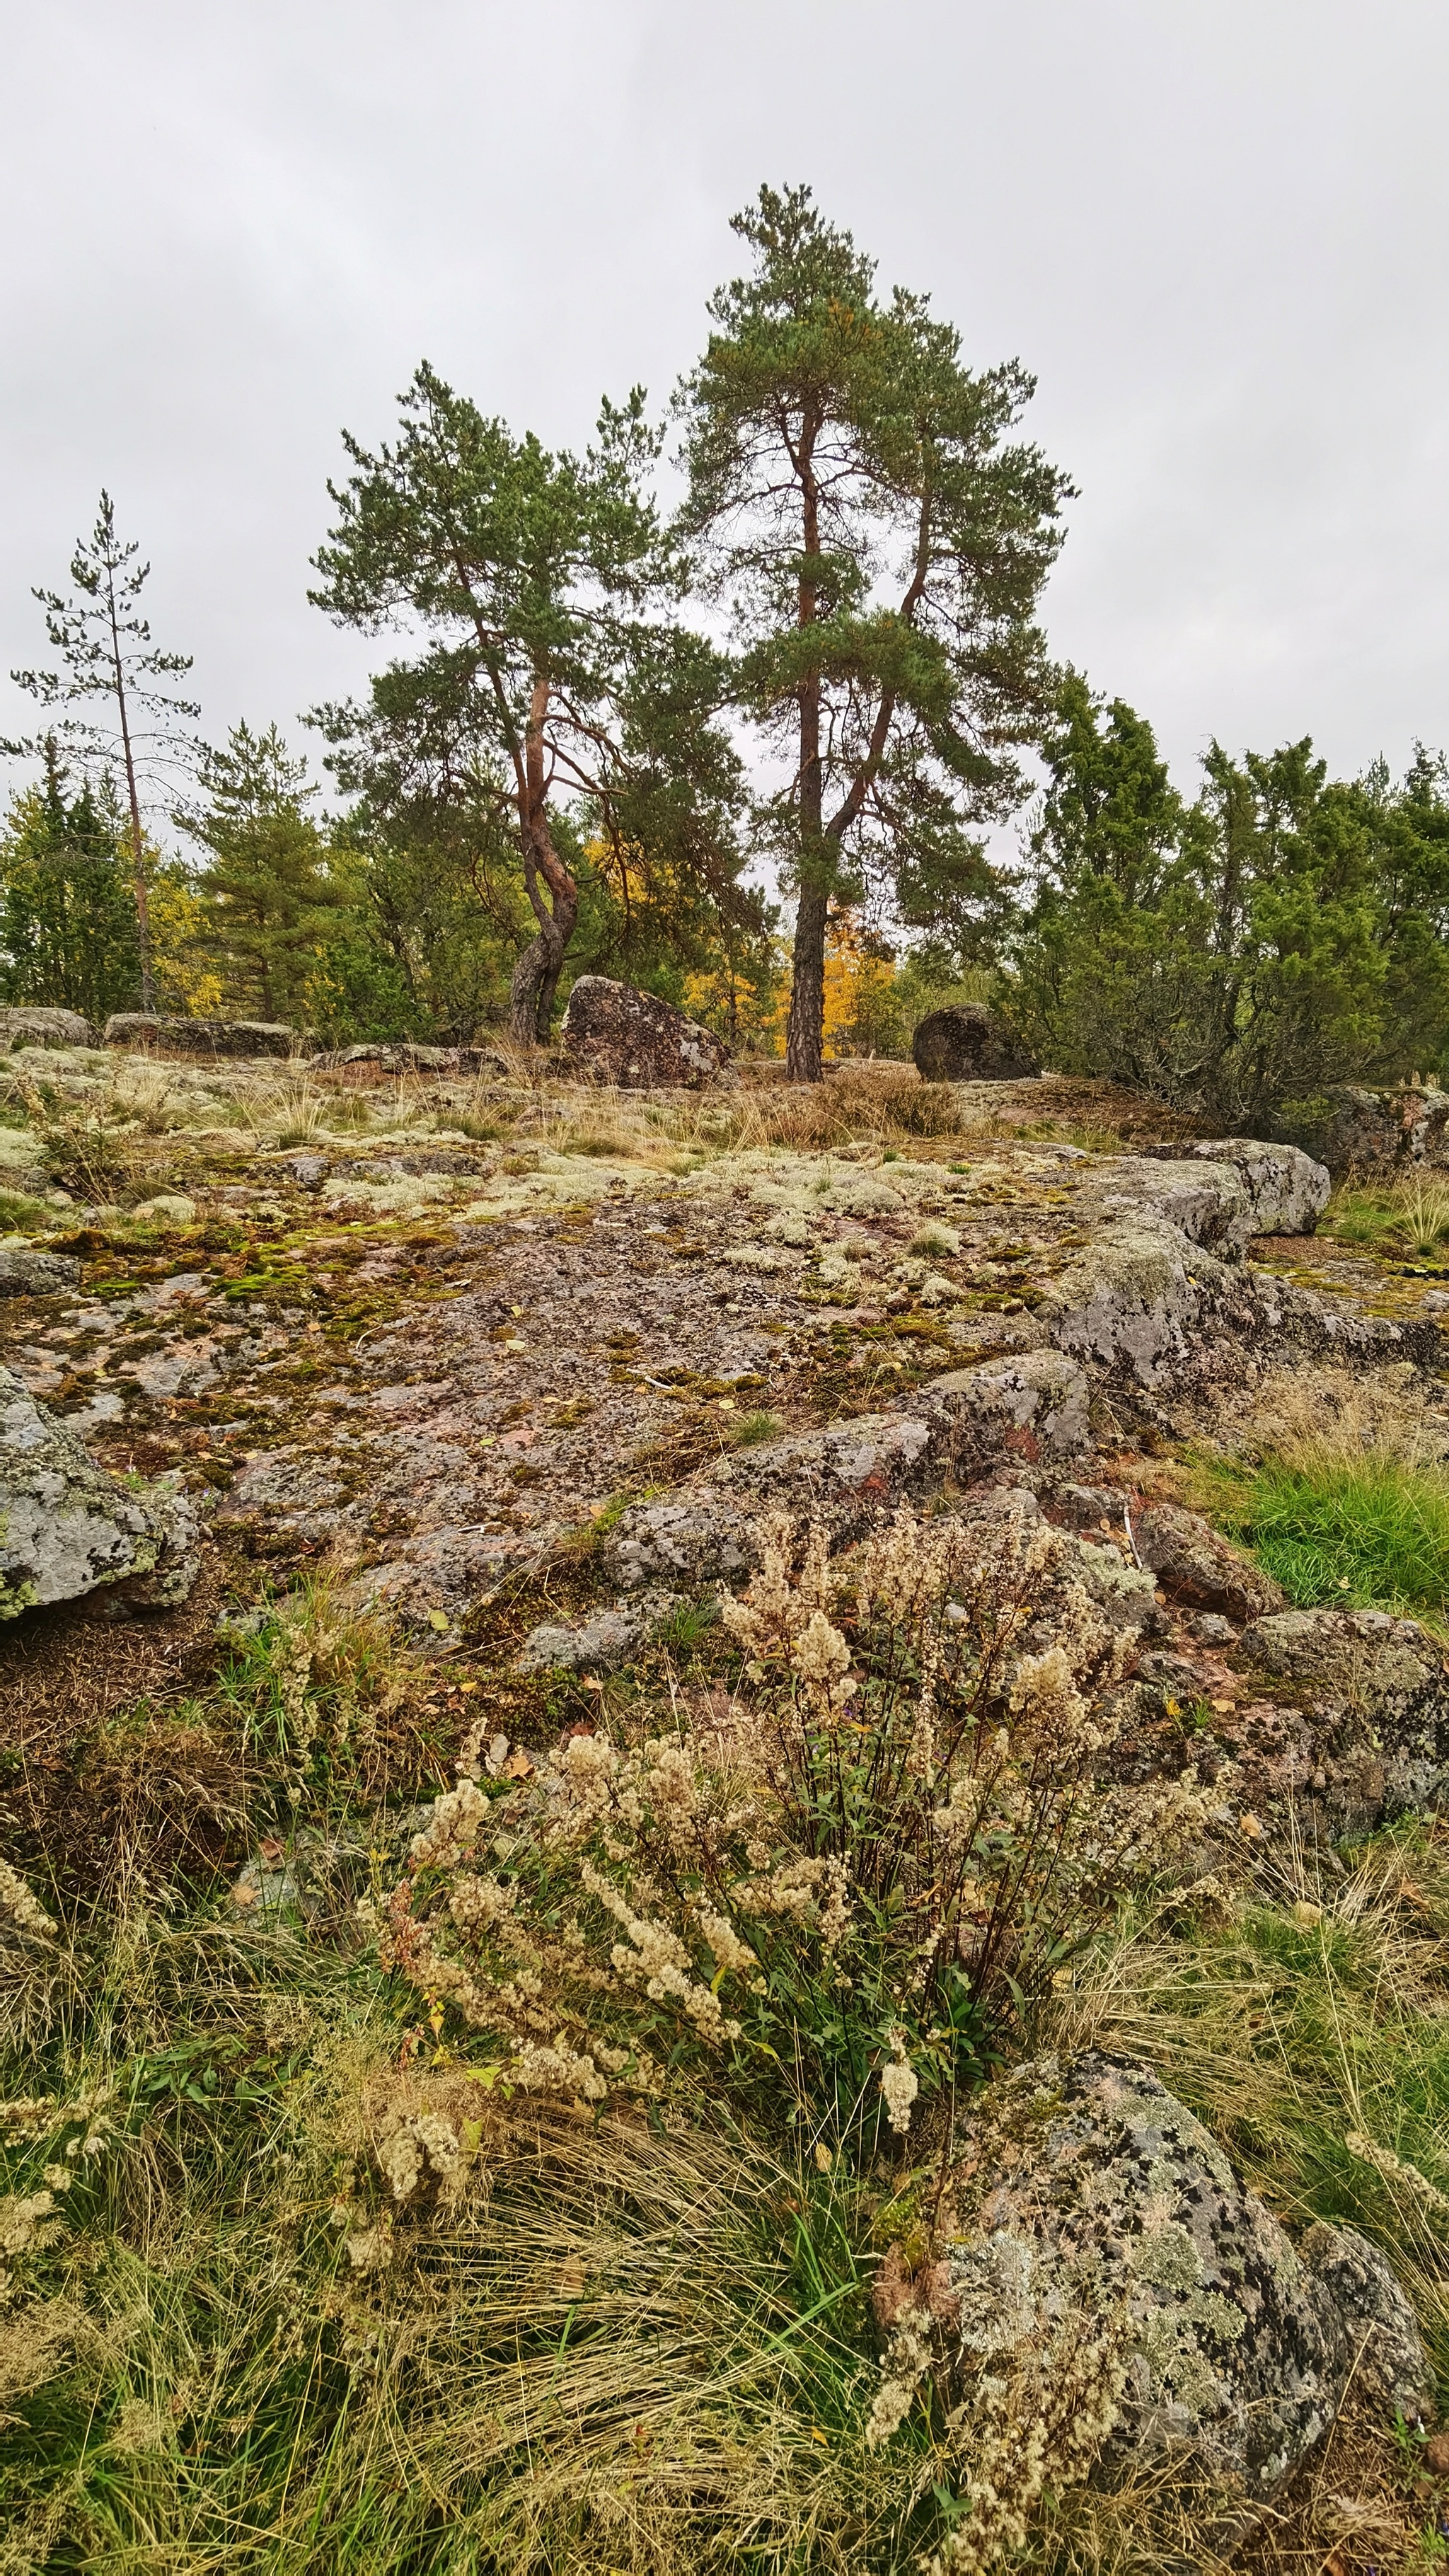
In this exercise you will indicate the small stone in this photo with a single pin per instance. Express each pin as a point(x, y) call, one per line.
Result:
point(36, 1274)
point(67, 1526)
point(172, 1207)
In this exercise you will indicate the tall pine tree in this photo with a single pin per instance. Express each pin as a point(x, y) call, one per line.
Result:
point(881, 548)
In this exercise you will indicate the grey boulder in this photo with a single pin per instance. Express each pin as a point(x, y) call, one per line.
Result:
point(1379, 1699)
point(44, 1027)
point(967, 1043)
point(67, 1526)
point(1086, 2189)
point(613, 1033)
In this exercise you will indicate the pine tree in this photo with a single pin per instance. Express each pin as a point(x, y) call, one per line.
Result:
point(881, 550)
point(555, 686)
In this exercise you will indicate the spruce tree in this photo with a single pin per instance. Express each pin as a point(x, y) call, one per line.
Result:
point(68, 933)
point(268, 903)
point(109, 662)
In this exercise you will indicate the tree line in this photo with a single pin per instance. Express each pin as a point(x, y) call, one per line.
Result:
point(594, 720)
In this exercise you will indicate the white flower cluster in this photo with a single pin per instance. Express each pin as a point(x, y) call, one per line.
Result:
point(17, 1902)
point(899, 2083)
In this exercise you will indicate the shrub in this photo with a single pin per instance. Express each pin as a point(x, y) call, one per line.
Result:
point(837, 1890)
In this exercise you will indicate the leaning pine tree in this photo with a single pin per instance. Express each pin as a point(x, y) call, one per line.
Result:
point(555, 684)
point(882, 551)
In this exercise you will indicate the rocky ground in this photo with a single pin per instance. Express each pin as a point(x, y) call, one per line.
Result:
point(526, 1360)
point(518, 1364)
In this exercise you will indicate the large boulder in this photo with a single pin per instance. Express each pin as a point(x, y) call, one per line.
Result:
point(612, 1033)
point(25, 1025)
point(1084, 2193)
point(1407, 1126)
point(968, 1044)
point(1225, 1192)
point(67, 1526)
point(163, 1033)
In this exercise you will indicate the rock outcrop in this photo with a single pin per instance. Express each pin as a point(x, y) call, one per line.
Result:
point(1159, 1292)
point(611, 1033)
point(27, 1025)
point(164, 1033)
point(968, 1044)
point(67, 1526)
point(1377, 1696)
point(1085, 2191)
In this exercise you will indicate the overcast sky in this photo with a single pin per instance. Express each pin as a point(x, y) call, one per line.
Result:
point(1215, 233)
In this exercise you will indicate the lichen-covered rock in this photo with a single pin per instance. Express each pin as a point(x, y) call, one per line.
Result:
point(24, 1273)
point(1142, 1302)
point(692, 1536)
point(1410, 1125)
point(842, 1477)
point(968, 1044)
point(30, 1025)
point(68, 1526)
point(1034, 1406)
point(1198, 1568)
point(1085, 2189)
point(598, 1644)
point(163, 1033)
point(614, 1034)
point(1379, 1700)
point(1224, 1192)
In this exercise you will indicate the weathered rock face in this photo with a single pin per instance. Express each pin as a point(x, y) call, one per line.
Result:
point(611, 1033)
point(968, 1044)
point(67, 1526)
point(1410, 1125)
point(1086, 2189)
point(1035, 1406)
point(1223, 1193)
point(1145, 1300)
point(401, 1055)
point(24, 1026)
point(36, 1274)
point(1198, 1568)
point(160, 1033)
point(1379, 1699)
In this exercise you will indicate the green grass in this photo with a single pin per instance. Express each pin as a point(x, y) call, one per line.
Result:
point(752, 1428)
point(627, 2349)
point(1404, 1217)
point(1367, 1532)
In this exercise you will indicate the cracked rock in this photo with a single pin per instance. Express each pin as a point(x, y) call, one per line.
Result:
point(67, 1526)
